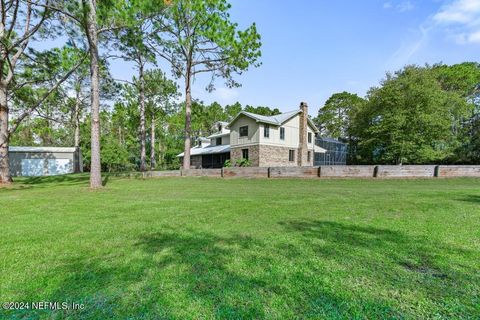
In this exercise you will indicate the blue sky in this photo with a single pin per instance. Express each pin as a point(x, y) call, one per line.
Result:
point(312, 49)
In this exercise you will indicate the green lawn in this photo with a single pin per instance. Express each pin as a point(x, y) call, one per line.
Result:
point(200, 248)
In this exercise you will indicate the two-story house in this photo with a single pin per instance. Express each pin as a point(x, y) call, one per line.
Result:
point(287, 139)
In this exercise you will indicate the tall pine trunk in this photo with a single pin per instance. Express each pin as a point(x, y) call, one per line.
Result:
point(5, 177)
point(143, 153)
point(77, 128)
point(95, 163)
point(76, 120)
point(161, 159)
point(153, 163)
point(188, 119)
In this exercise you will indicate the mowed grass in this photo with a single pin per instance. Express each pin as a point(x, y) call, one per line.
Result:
point(206, 248)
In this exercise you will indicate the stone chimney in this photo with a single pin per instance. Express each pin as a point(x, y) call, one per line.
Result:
point(302, 141)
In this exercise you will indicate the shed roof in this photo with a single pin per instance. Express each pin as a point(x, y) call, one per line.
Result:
point(41, 149)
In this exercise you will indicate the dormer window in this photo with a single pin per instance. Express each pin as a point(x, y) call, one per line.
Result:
point(220, 127)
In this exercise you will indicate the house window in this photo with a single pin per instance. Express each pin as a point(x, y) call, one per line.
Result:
point(309, 154)
point(282, 133)
point(291, 155)
point(219, 141)
point(266, 131)
point(243, 131)
point(245, 154)
point(309, 137)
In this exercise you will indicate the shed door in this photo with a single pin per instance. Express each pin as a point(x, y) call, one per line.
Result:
point(59, 166)
point(32, 167)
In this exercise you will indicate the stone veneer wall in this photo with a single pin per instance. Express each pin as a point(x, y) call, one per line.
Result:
point(253, 154)
point(268, 156)
point(274, 156)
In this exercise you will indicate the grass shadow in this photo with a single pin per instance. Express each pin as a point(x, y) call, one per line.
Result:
point(471, 198)
point(178, 273)
point(394, 259)
point(78, 179)
point(66, 179)
point(207, 276)
point(191, 275)
point(105, 179)
point(26, 183)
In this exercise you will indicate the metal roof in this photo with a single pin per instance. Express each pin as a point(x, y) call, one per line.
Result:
point(276, 120)
point(196, 151)
point(219, 134)
point(41, 149)
point(318, 149)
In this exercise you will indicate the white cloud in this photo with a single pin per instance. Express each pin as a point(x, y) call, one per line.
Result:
point(226, 93)
point(403, 6)
point(460, 20)
point(419, 39)
point(459, 11)
point(474, 37)
point(220, 94)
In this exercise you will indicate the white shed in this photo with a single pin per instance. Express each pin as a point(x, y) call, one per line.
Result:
point(44, 161)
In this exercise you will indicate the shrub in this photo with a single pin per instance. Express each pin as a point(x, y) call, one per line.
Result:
point(243, 163)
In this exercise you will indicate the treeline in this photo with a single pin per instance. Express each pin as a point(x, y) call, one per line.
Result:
point(42, 90)
point(66, 95)
point(120, 135)
point(417, 115)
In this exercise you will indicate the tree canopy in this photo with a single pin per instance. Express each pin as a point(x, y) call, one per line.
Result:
point(417, 115)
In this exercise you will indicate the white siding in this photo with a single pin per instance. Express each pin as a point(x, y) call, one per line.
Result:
point(225, 140)
point(256, 133)
point(253, 131)
point(311, 144)
point(291, 134)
